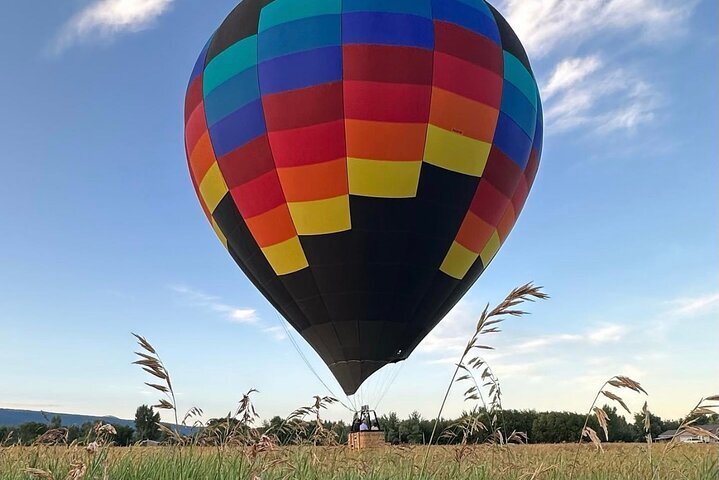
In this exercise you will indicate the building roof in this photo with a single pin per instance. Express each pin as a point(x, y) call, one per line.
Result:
point(713, 428)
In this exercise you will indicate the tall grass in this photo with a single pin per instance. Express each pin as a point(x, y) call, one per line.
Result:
point(487, 324)
point(482, 462)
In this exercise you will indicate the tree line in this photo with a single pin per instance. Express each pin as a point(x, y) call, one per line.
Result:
point(539, 427)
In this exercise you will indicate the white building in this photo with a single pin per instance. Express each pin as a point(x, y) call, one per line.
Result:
point(686, 437)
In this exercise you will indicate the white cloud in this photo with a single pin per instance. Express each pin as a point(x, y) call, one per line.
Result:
point(194, 295)
point(601, 373)
point(694, 306)
point(540, 343)
point(444, 361)
point(244, 315)
point(584, 92)
point(452, 334)
point(577, 361)
point(106, 18)
point(278, 333)
point(545, 25)
point(589, 92)
point(607, 334)
point(528, 371)
point(677, 312)
point(29, 406)
point(569, 72)
point(446, 342)
point(239, 315)
point(213, 303)
point(627, 118)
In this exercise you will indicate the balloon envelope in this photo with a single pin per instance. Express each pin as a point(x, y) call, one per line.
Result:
point(363, 161)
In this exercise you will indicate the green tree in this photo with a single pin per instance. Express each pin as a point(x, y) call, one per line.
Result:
point(55, 422)
point(146, 424)
point(275, 426)
point(702, 419)
point(5, 438)
point(340, 429)
point(519, 421)
point(412, 428)
point(81, 433)
point(124, 436)
point(559, 427)
point(656, 426)
point(390, 423)
point(619, 429)
point(29, 432)
point(672, 424)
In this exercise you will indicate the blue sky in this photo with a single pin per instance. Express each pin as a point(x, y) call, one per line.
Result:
point(102, 234)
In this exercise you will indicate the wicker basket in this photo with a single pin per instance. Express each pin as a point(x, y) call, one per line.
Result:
point(369, 439)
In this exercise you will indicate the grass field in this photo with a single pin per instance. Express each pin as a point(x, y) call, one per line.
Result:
point(631, 461)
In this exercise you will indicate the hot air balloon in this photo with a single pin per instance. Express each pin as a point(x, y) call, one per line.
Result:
point(363, 161)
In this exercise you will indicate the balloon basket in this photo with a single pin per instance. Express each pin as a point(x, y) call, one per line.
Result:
point(364, 440)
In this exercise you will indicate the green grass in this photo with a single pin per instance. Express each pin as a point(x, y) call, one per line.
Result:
point(521, 462)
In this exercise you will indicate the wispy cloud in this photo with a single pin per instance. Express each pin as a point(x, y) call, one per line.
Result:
point(240, 315)
point(546, 25)
point(535, 344)
point(599, 335)
point(450, 337)
point(569, 72)
point(679, 312)
point(693, 306)
point(278, 333)
point(452, 333)
point(532, 371)
point(607, 334)
point(243, 315)
point(584, 354)
point(585, 92)
point(588, 91)
point(29, 406)
point(607, 369)
point(215, 304)
point(103, 19)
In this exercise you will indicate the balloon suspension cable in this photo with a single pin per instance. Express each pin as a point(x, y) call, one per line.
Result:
point(375, 391)
point(310, 367)
point(388, 385)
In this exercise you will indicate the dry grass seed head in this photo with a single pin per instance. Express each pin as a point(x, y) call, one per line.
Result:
point(647, 417)
point(105, 429)
point(592, 435)
point(246, 410)
point(626, 382)
point(56, 436)
point(520, 438)
point(603, 420)
point(77, 471)
point(617, 399)
point(37, 473)
point(537, 472)
point(160, 388)
point(144, 344)
point(194, 412)
point(700, 432)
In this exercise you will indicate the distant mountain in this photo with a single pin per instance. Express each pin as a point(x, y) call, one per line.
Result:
point(13, 418)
